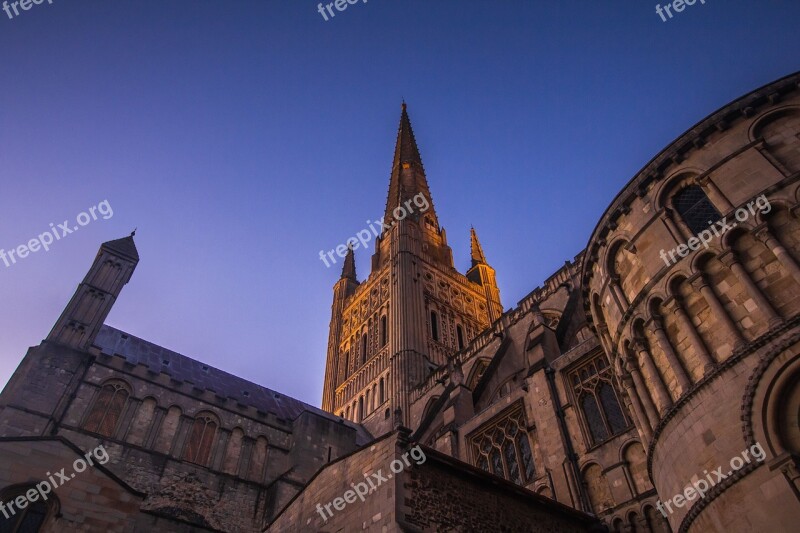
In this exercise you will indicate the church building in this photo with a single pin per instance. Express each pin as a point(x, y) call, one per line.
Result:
point(650, 384)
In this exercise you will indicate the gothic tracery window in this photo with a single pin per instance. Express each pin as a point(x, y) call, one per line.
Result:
point(201, 439)
point(598, 400)
point(106, 412)
point(503, 448)
point(695, 208)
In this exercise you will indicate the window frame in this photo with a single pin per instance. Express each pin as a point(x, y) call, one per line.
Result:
point(117, 386)
point(210, 418)
point(605, 375)
point(687, 217)
point(52, 506)
point(515, 413)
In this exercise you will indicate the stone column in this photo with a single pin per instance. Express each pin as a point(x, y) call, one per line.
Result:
point(784, 257)
point(664, 399)
point(715, 195)
point(700, 283)
point(669, 220)
point(686, 324)
point(619, 296)
point(656, 327)
point(602, 329)
point(641, 389)
point(638, 411)
point(730, 260)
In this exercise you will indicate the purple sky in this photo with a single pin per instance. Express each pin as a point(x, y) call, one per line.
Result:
point(241, 138)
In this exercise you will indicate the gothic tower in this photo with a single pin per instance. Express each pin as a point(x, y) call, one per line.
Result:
point(90, 305)
point(414, 310)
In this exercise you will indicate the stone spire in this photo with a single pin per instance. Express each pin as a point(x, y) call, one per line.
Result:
point(349, 267)
point(475, 249)
point(408, 175)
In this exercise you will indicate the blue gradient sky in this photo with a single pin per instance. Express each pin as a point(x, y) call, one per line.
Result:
point(241, 137)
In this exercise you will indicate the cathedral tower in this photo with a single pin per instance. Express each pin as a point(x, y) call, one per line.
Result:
point(412, 312)
point(90, 305)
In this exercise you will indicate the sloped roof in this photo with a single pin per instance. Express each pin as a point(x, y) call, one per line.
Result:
point(136, 351)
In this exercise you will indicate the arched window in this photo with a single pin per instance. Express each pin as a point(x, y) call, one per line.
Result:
point(368, 405)
point(434, 325)
point(597, 397)
point(28, 519)
point(633, 522)
point(346, 363)
point(695, 208)
point(107, 410)
point(201, 439)
point(502, 447)
point(656, 521)
point(460, 335)
point(503, 390)
point(360, 409)
point(477, 372)
point(384, 331)
point(382, 392)
point(364, 348)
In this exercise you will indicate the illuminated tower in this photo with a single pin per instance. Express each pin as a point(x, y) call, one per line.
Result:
point(413, 311)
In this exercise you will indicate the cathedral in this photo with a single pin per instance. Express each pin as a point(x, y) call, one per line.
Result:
point(650, 384)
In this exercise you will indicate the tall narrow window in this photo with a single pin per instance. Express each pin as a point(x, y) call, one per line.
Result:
point(28, 519)
point(384, 331)
point(201, 439)
point(107, 409)
point(364, 348)
point(360, 409)
point(346, 363)
point(598, 400)
point(434, 325)
point(460, 335)
point(381, 390)
point(695, 208)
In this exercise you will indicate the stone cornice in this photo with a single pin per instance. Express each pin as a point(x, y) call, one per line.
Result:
point(695, 137)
